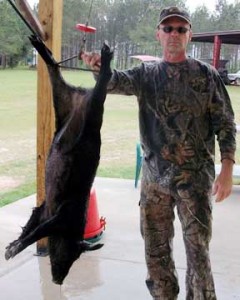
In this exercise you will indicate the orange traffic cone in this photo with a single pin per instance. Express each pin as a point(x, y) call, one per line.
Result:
point(94, 225)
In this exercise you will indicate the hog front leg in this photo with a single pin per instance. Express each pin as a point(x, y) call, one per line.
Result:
point(50, 227)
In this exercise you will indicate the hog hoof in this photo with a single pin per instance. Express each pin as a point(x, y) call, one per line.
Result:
point(13, 249)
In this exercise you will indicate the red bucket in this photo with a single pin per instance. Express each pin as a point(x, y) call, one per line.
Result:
point(94, 225)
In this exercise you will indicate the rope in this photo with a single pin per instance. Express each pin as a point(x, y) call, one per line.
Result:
point(77, 68)
point(83, 40)
point(89, 13)
point(85, 33)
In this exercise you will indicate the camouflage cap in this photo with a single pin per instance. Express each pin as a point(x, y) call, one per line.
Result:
point(174, 11)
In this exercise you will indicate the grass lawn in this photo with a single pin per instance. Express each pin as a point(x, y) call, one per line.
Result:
point(18, 132)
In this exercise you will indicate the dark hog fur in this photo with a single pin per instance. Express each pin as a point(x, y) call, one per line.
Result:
point(70, 169)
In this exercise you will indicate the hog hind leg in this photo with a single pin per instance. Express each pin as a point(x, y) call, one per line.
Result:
point(99, 92)
point(43, 50)
point(105, 70)
point(61, 90)
point(105, 73)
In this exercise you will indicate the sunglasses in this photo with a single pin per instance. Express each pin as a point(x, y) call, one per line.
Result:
point(169, 29)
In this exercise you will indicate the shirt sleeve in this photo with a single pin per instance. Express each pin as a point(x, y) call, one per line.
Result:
point(222, 117)
point(125, 82)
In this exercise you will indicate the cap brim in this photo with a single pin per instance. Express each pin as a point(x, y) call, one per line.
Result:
point(175, 15)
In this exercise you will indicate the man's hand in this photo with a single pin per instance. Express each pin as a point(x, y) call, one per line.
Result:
point(92, 59)
point(222, 186)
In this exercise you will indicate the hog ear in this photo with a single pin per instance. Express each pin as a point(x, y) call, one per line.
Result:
point(95, 247)
point(86, 246)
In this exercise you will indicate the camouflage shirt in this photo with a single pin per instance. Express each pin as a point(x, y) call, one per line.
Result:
point(182, 107)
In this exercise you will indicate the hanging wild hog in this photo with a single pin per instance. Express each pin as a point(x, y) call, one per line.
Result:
point(70, 169)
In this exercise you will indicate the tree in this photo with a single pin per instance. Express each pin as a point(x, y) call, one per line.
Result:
point(225, 17)
point(13, 36)
point(128, 25)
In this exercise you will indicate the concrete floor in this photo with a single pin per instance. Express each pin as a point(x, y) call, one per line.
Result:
point(117, 271)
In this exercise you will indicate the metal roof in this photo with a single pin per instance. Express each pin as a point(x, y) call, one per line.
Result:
point(227, 37)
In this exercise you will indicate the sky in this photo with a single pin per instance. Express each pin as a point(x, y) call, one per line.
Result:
point(192, 4)
point(210, 4)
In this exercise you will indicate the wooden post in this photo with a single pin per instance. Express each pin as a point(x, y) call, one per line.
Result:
point(50, 16)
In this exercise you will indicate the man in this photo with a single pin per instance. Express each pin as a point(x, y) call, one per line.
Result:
point(183, 105)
